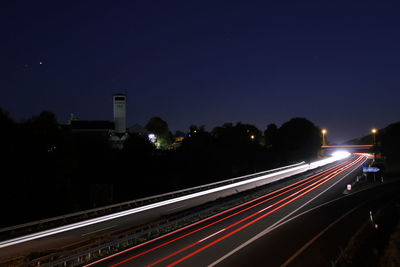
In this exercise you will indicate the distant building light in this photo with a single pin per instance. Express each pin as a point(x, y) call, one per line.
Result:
point(152, 138)
point(179, 139)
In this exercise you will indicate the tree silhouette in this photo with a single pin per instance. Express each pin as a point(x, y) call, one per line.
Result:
point(299, 139)
point(64, 171)
point(390, 142)
point(7, 128)
point(271, 135)
point(160, 128)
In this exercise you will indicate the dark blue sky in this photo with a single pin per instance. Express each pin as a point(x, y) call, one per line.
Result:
point(205, 62)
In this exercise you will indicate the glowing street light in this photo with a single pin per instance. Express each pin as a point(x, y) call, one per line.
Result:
point(324, 131)
point(252, 137)
point(374, 131)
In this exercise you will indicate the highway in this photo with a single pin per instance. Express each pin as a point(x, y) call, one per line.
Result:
point(326, 229)
point(222, 237)
point(66, 237)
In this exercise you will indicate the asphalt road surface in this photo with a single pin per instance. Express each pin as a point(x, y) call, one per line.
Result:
point(267, 231)
point(68, 237)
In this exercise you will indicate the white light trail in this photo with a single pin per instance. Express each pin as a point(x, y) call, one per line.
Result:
point(73, 226)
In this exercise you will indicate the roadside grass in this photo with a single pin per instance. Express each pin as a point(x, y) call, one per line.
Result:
point(391, 256)
point(376, 243)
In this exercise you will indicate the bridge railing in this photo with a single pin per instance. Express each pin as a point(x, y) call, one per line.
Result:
point(348, 146)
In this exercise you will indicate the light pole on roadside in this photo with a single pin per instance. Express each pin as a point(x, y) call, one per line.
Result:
point(374, 131)
point(324, 131)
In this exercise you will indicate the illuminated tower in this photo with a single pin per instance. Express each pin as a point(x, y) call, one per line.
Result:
point(120, 113)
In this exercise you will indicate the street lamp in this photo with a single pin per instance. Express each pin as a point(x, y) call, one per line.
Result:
point(324, 131)
point(252, 137)
point(374, 131)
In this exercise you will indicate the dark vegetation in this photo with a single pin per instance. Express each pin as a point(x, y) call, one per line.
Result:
point(387, 146)
point(376, 245)
point(371, 246)
point(48, 170)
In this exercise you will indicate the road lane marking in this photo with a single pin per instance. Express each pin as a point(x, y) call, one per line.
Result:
point(204, 239)
point(270, 206)
point(308, 180)
point(256, 220)
point(279, 223)
point(310, 242)
point(313, 186)
point(112, 216)
point(282, 190)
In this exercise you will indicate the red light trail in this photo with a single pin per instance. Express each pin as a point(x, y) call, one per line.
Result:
point(308, 184)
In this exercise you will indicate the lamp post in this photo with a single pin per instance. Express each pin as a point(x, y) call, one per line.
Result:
point(252, 137)
point(374, 131)
point(323, 136)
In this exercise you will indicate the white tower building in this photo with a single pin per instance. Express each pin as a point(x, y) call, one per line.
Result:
point(120, 113)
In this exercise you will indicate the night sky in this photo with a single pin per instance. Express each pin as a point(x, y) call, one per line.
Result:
point(205, 62)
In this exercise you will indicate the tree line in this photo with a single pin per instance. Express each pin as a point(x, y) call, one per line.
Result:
point(48, 171)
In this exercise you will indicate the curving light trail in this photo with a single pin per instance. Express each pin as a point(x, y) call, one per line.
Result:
point(77, 225)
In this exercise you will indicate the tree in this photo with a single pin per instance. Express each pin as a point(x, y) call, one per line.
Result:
point(240, 133)
point(7, 127)
point(138, 145)
point(271, 135)
point(179, 134)
point(390, 140)
point(194, 128)
point(5, 119)
point(160, 128)
point(7, 150)
point(238, 147)
point(299, 139)
point(45, 131)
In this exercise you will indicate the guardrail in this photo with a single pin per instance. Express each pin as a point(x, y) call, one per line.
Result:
point(192, 197)
point(91, 213)
point(79, 258)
